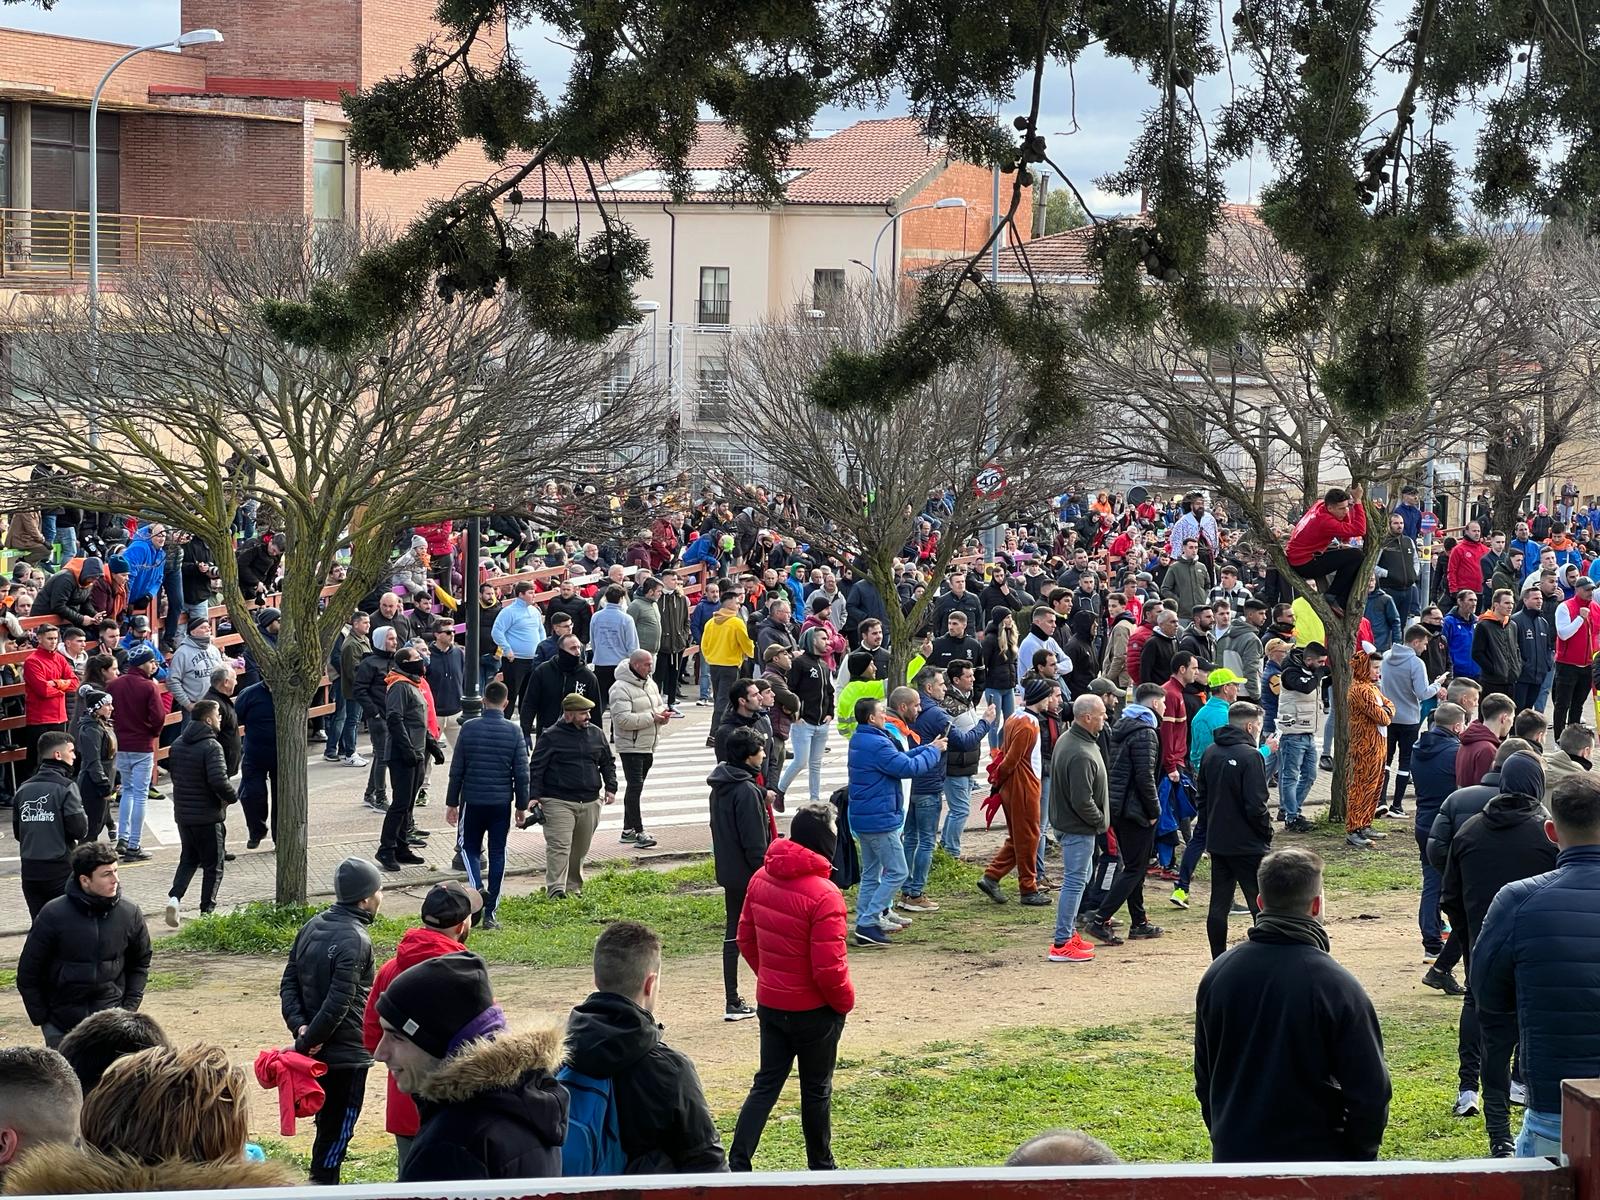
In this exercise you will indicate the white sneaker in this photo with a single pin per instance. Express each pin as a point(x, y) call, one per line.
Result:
point(1466, 1104)
point(172, 911)
point(355, 760)
point(894, 920)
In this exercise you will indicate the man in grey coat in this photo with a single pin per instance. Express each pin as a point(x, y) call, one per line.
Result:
point(1080, 811)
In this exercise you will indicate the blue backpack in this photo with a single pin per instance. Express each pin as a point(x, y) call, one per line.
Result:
point(594, 1144)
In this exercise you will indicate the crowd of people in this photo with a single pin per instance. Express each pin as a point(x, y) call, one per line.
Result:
point(1142, 680)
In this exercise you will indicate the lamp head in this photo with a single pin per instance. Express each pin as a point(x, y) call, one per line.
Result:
point(199, 37)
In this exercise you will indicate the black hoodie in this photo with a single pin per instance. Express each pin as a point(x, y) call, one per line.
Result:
point(1231, 794)
point(1503, 843)
point(661, 1109)
point(740, 831)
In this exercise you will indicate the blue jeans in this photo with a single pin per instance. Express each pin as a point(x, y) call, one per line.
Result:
point(1077, 857)
point(346, 720)
point(1540, 1136)
point(1428, 909)
point(67, 535)
point(1298, 751)
point(135, 767)
point(47, 533)
point(1543, 700)
point(920, 832)
point(883, 869)
point(1044, 820)
point(1192, 853)
point(958, 796)
point(705, 678)
point(1005, 700)
point(807, 743)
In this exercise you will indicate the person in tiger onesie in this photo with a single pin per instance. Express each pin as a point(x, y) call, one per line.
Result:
point(1370, 714)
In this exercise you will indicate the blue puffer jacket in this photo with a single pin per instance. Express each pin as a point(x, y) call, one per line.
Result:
point(933, 722)
point(1433, 773)
point(259, 719)
point(877, 766)
point(1458, 636)
point(1538, 955)
point(146, 567)
point(490, 764)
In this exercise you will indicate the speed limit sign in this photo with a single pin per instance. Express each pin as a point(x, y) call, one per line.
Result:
point(989, 483)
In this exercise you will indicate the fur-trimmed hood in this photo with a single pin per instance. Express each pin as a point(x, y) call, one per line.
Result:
point(61, 1170)
point(497, 1065)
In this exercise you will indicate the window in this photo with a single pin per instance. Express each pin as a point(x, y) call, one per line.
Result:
point(61, 160)
point(827, 285)
point(327, 179)
point(5, 156)
point(713, 307)
point(712, 403)
point(619, 374)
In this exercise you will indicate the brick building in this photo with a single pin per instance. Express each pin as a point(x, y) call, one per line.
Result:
point(247, 128)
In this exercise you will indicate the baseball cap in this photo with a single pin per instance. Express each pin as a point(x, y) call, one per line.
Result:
point(1221, 677)
point(448, 904)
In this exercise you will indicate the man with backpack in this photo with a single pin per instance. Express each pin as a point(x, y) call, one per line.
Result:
point(636, 1105)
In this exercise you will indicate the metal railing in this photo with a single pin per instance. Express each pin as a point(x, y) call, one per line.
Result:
point(52, 245)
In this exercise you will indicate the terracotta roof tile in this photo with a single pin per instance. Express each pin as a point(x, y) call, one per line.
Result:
point(871, 162)
point(1064, 257)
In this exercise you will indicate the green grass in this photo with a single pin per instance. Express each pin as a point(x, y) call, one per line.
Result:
point(1390, 866)
point(368, 1160)
point(8, 981)
point(173, 981)
point(950, 1104)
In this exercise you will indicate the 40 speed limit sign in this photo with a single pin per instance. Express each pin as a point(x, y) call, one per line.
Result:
point(989, 483)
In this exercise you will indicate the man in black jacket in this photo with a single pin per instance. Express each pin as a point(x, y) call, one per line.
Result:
point(1288, 1056)
point(552, 682)
point(47, 820)
point(956, 642)
point(224, 682)
point(662, 1117)
point(405, 714)
point(569, 763)
point(201, 794)
point(1198, 639)
point(489, 1103)
point(88, 950)
point(1231, 798)
point(740, 834)
point(323, 996)
point(1503, 843)
point(1135, 809)
point(371, 687)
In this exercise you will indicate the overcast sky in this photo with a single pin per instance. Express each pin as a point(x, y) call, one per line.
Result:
point(1109, 97)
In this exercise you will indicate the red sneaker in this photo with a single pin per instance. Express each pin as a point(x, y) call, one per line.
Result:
point(1071, 951)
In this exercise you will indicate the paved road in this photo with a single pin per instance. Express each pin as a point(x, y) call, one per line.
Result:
point(675, 808)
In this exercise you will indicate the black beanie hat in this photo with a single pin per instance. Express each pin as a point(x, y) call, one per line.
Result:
point(436, 999)
point(811, 829)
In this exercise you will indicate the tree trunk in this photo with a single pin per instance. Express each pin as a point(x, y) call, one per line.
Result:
point(294, 804)
point(1339, 677)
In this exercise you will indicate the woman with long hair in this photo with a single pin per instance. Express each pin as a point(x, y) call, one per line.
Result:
point(1000, 667)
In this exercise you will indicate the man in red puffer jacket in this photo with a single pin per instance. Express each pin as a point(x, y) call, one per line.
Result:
point(792, 933)
point(449, 911)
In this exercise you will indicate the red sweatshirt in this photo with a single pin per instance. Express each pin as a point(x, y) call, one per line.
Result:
point(139, 709)
point(416, 945)
point(1318, 527)
point(47, 678)
point(1174, 729)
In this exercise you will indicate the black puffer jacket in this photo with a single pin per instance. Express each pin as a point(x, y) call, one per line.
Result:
point(570, 762)
point(201, 792)
point(493, 1111)
point(370, 686)
point(661, 1108)
point(229, 736)
point(961, 763)
point(325, 985)
point(740, 832)
point(83, 955)
point(406, 716)
point(65, 598)
point(1135, 756)
point(1231, 794)
point(1503, 843)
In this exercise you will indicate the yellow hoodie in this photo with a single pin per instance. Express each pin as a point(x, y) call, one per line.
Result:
point(725, 641)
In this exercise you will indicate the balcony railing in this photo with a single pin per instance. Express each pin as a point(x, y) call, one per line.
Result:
point(47, 245)
point(711, 312)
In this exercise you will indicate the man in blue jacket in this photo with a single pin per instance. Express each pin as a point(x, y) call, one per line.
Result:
point(613, 636)
point(1433, 771)
point(876, 767)
point(1536, 964)
point(490, 769)
point(705, 608)
point(1458, 629)
point(517, 631)
point(927, 791)
point(147, 564)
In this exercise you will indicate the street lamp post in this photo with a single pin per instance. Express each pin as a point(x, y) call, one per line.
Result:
point(194, 37)
point(946, 202)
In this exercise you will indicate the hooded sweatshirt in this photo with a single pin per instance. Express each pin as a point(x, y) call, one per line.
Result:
point(1478, 744)
point(416, 945)
point(1405, 683)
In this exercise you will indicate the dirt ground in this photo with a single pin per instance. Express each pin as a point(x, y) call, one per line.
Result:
point(908, 994)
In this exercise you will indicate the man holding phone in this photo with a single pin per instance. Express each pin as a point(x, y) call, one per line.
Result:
point(1406, 684)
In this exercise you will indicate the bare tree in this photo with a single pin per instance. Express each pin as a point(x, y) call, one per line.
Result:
point(1255, 424)
point(868, 471)
point(458, 410)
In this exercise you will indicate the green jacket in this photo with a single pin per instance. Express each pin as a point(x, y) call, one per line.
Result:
point(845, 709)
point(1079, 796)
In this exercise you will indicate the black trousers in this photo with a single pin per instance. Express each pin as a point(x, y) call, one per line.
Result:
point(95, 806)
point(1229, 871)
point(1401, 739)
point(343, 1089)
point(404, 780)
point(634, 768)
point(810, 1038)
point(258, 797)
point(1497, 683)
point(1569, 696)
point(732, 906)
point(1135, 841)
point(378, 773)
point(30, 742)
point(605, 676)
point(1525, 694)
point(666, 676)
point(722, 681)
point(203, 846)
point(1342, 564)
point(515, 676)
point(39, 892)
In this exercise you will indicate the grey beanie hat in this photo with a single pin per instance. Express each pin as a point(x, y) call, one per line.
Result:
point(356, 879)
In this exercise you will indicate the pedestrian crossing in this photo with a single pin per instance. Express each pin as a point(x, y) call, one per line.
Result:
point(676, 793)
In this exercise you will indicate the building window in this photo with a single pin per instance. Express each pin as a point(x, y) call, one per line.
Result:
point(60, 168)
point(5, 156)
point(713, 388)
point(327, 179)
point(827, 286)
point(713, 307)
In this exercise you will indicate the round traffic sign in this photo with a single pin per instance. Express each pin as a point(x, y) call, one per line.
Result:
point(989, 482)
point(1429, 522)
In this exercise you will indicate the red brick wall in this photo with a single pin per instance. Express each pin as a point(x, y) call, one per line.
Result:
point(73, 66)
point(214, 168)
point(940, 233)
point(280, 39)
